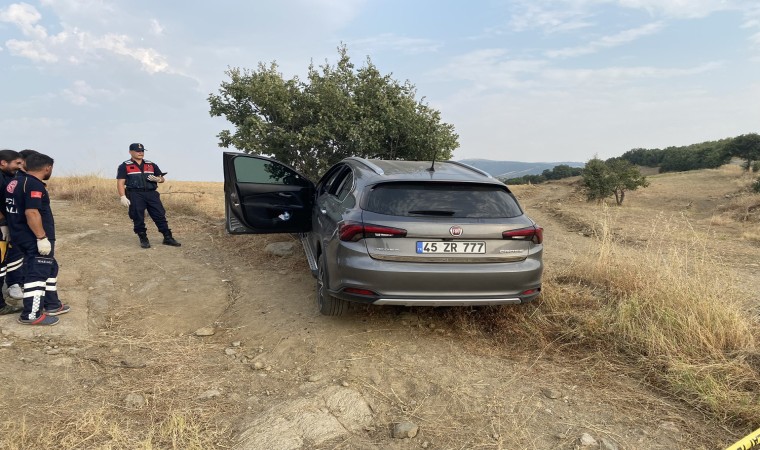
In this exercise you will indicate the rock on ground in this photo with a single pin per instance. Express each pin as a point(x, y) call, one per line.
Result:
point(333, 413)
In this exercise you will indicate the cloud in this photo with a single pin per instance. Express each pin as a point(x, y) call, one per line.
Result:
point(614, 40)
point(25, 17)
point(80, 94)
point(390, 41)
point(689, 9)
point(150, 60)
point(551, 19)
point(494, 70)
point(73, 45)
point(156, 27)
point(34, 50)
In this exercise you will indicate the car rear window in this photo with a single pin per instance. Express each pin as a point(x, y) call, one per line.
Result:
point(442, 200)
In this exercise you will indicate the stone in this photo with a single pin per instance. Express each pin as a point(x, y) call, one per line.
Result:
point(280, 248)
point(344, 383)
point(230, 351)
point(258, 365)
point(586, 440)
point(205, 331)
point(211, 393)
point(134, 401)
point(551, 393)
point(236, 344)
point(314, 378)
point(608, 444)
point(403, 430)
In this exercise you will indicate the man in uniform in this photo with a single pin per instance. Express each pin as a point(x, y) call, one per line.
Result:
point(136, 181)
point(10, 161)
point(31, 224)
point(14, 258)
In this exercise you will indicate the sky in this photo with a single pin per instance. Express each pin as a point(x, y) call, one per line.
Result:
point(520, 80)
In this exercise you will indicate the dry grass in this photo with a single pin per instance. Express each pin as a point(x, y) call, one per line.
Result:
point(203, 200)
point(666, 306)
point(91, 413)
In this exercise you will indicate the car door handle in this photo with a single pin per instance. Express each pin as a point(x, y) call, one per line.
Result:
point(284, 194)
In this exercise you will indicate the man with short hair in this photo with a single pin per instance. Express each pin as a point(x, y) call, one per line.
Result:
point(31, 224)
point(10, 162)
point(137, 183)
point(14, 258)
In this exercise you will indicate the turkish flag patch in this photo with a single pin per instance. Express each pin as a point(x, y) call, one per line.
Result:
point(36, 194)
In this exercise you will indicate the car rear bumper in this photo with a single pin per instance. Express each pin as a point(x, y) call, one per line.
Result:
point(435, 284)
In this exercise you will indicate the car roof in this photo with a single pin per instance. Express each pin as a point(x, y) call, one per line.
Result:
point(384, 169)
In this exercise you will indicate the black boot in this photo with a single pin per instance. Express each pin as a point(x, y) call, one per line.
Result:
point(169, 240)
point(144, 242)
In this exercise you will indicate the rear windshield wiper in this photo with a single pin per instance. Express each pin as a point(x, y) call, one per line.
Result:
point(432, 213)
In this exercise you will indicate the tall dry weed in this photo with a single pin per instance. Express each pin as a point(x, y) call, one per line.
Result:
point(202, 200)
point(673, 309)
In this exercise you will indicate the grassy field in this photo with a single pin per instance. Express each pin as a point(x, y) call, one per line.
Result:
point(654, 285)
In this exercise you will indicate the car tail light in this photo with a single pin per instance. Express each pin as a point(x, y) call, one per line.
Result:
point(355, 231)
point(534, 234)
point(530, 291)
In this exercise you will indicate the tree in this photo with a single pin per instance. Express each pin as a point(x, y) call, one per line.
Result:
point(625, 177)
point(338, 111)
point(747, 147)
point(596, 180)
point(614, 177)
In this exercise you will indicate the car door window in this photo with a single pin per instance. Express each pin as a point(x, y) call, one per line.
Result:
point(261, 171)
point(337, 182)
point(345, 186)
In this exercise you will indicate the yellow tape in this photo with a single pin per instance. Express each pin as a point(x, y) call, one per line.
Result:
point(752, 440)
point(3, 248)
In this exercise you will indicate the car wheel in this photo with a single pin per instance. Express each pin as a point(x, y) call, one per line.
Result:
point(328, 305)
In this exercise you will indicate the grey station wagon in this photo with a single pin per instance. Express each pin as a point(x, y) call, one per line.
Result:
point(393, 232)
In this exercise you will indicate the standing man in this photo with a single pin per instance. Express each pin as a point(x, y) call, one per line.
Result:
point(137, 180)
point(10, 162)
point(31, 224)
point(14, 258)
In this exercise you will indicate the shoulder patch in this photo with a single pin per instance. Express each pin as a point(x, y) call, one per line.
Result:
point(36, 194)
point(11, 186)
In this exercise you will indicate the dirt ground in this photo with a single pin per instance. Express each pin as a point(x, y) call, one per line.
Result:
point(125, 369)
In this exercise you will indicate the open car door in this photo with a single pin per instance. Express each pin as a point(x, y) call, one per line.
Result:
point(263, 195)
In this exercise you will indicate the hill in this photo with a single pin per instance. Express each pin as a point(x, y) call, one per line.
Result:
point(514, 169)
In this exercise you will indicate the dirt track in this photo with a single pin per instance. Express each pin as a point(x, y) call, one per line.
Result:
point(297, 374)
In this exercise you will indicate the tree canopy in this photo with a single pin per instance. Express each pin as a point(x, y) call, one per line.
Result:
point(616, 176)
point(338, 111)
point(705, 155)
point(746, 147)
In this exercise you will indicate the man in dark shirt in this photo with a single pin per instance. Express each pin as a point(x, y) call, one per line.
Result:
point(14, 259)
point(136, 181)
point(10, 161)
point(31, 224)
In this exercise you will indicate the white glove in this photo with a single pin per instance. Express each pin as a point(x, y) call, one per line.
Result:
point(124, 201)
point(5, 231)
point(43, 246)
point(154, 178)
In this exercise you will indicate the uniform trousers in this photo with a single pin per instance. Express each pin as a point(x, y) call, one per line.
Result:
point(40, 278)
point(150, 200)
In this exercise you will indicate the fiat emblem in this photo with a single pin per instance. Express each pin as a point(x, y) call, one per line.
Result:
point(456, 230)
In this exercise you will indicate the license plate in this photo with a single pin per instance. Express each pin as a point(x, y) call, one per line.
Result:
point(451, 247)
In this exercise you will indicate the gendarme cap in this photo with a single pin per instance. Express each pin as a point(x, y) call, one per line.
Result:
point(136, 148)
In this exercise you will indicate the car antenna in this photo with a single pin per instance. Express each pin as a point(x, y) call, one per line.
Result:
point(432, 166)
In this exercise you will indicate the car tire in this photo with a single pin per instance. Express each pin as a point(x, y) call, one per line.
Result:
point(328, 305)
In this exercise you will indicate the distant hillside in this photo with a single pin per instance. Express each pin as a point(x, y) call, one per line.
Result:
point(514, 169)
